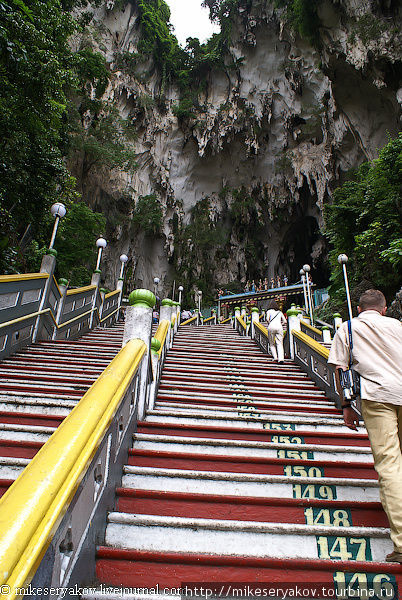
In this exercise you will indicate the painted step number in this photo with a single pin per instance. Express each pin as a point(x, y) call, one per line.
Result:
point(328, 516)
point(302, 454)
point(343, 548)
point(280, 426)
point(299, 471)
point(320, 492)
point(377, 586)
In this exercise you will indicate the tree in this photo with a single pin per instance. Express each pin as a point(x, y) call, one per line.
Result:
point(364, 222)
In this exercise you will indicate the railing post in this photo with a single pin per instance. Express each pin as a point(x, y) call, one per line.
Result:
point(255, 318)
point(214, 315)
point(155, 360)
point(138, 325)
point(48, 265)
point(337, 321)
point(236, 315)
point(243, 311)
point(197, 312)
point(166, 311)
point(63, 285)
point(326, 335)
point(293, 324)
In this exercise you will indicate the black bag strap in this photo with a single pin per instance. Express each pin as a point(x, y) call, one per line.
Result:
point(272, 318)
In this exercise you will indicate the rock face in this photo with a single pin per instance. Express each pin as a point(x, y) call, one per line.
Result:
point(243, 183)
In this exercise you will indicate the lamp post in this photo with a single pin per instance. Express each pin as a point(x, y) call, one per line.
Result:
point(199, 301)
point(304, 288)
point(101, 243)
point(156, 283)
point(306, 269)
point(58, 211)
point(123, 260)
point(181, 288)
point(342, 260)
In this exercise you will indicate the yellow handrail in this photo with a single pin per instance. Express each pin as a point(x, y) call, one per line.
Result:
point(263, 329)
point(174, 321)
point(225, 321)
point(81, 289)
point(32, 508)
point(110, 294)
point(242, 323)
point(23, 277)
point(189, 320)
point(161, 334)
point(322, 350)
point(209, 319)
point(308, 326)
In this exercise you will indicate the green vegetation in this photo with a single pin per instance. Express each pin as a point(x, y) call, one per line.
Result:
point(148, 215)
point(302, 16)
point(51, 108)
point(364, 222)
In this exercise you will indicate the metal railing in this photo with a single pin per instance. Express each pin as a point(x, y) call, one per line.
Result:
point(311, 331)
point(241, 326)
point(34, 307)
point(82, 460)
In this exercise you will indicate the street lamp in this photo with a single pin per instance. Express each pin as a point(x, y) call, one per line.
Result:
point(342, 260)
point(306, 269)
point(181, 288)
point(156, 282)
point(101, 243)
point(199, 301)
point(304, 288)
point(58, 211)
point(123, 260)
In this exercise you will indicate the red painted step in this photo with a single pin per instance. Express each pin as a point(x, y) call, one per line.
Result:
point(4, 485)
point(39, 420)
point(245, 464)
point(19, 449)
point(260, 435)
point(208, 506)
point(173, 570)
point(201, 400)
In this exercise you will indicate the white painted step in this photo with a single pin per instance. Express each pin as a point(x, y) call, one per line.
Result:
point(11, 468)
point(244, 408)
point(25, 433)
point(239, 397)
point(230, 418)
point(36, 404)
point(223, 447)
point(239, 538)
point(245, 484)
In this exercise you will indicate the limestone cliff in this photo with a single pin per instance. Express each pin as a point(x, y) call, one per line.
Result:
point(243, 180)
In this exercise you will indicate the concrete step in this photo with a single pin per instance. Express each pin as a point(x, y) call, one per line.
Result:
point(36, 403)
point(282, 510)
point(25, 433)
point(292, 467)
point(244, 538)
point(281, 449)
point(245, 484)
point(348, 438)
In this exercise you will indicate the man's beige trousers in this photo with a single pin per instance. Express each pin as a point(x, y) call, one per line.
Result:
point(384, 427)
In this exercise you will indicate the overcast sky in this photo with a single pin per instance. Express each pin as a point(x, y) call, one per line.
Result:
point(190, 20)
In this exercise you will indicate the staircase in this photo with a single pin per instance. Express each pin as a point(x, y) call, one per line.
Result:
point(244, 474)
point(40, 385)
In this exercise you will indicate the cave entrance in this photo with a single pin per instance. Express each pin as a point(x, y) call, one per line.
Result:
point(303, 243)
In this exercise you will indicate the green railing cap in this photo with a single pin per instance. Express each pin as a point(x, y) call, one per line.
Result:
point(120, 279)
point(237, 308)
point(103, 291)
point(142, 298)
point(97, 271)
point(63, 281)
point(324, 328)
point(167, 302)
point(255, 309)
point(336, 315)
point(51, 252)
point(292, 312)
point(155, 345)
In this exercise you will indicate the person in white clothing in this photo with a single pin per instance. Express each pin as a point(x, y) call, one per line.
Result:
point(275, 323)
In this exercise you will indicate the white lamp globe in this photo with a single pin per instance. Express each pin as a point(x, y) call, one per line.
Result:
point(200, 293)
point(181, 288)
point(301, 272)
point(342, 259)
point(123, 258)
point(58, 210)
point(306, 268)
point(156, 280)
point(101, 243)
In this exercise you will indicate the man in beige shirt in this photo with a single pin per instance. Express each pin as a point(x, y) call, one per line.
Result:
point(377, 357)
